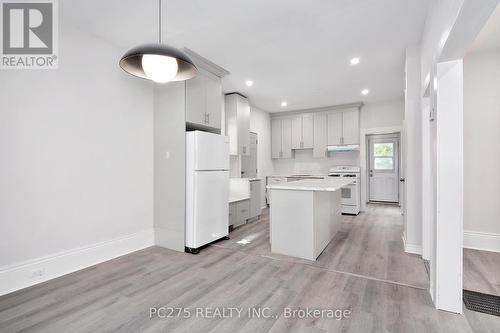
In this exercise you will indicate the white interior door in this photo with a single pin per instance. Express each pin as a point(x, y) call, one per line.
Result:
point(384, 168)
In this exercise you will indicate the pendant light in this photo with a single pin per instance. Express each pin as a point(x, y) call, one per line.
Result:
point(158, 62)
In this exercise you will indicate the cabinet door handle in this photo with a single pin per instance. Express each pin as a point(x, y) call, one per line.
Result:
point(208, 117)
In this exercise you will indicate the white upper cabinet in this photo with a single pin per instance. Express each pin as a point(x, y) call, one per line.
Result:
point(343, 127)
point(204, 100)
point(320, 135)
point(286, 140)
point(237, 109)
point(307, 131)
point(195, 101)
point(350, 127)
point(335, 128)
point(281, 138)
point(302, 132)
point(276, 135)
point(315, 130)
point(297, 132)
point(214, 100)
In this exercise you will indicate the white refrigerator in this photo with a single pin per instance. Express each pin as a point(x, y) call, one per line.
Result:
point(207, 189)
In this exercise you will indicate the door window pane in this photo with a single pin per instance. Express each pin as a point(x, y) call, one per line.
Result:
point(383, 149)
point(383, 163)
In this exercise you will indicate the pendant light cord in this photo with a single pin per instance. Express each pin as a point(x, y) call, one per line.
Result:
point(159, 22)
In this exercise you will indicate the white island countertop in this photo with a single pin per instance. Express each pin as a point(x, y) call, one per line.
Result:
point(328, 185)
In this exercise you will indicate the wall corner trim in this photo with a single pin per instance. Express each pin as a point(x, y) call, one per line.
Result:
point(24, 274)
point(411, 248)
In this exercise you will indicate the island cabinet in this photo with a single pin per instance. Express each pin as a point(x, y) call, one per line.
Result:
point(204, 100)
point(237, 109)
point(305, 216)
point(281, 138)
point(302, 132)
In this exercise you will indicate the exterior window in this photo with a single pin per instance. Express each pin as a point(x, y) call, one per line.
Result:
point(383, 156)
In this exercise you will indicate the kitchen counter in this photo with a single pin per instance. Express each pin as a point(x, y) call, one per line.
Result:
point(298, 176)
point(238, 198)
point(330, 184)
point(305, 215)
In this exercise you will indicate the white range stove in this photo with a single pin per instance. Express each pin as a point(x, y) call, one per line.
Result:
point(351, 194)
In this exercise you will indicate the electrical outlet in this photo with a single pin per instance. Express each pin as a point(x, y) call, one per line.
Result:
point(38, 273)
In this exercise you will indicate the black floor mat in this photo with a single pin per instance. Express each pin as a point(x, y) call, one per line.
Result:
point(480, 302)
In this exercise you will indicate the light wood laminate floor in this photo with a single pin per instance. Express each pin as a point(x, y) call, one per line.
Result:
point(116, 296)
point(482, 271)
point(369, 245)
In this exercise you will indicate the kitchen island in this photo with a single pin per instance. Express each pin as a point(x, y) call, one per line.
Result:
point(304, 216)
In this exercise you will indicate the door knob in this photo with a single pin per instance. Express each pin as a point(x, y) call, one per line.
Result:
point(402, 180)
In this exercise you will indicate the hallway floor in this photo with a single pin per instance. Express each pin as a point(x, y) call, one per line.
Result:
point(482, 271)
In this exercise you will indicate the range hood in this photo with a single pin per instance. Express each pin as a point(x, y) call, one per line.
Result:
point(343, 148)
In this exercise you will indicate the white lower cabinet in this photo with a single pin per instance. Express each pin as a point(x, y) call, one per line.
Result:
point(255, 194)
point(242, 212)
point(232, 213)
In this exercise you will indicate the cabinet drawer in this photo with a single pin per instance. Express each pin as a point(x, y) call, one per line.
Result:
point(232, 213)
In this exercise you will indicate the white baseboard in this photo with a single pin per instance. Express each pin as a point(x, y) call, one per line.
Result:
point(413, 249)
point(485, 241)
point(31, 272)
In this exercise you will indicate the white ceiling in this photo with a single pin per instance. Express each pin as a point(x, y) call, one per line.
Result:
point(293, 50)
point(489, 37)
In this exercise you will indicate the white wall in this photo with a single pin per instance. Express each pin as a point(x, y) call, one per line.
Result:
point(449, 30)
point(373, 115)
point(382, 114)
point(76, 149)
point(260, 123)
point(481, 138)
point(412, 138)
point(170, 165)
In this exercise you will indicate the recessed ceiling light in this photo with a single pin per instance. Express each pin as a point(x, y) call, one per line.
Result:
point(354, 61)
point(284, 103)
point(365, 91)
point(249, 83)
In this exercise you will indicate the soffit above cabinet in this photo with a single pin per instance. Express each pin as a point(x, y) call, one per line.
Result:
point(326, 109)
point(206, 64)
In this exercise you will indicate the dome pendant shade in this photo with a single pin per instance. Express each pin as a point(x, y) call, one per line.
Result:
point(145, 61)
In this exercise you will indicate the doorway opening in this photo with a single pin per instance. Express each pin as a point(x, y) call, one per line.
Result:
point(383, 165)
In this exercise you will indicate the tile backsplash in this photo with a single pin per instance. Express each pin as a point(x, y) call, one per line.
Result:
point(304, 162)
